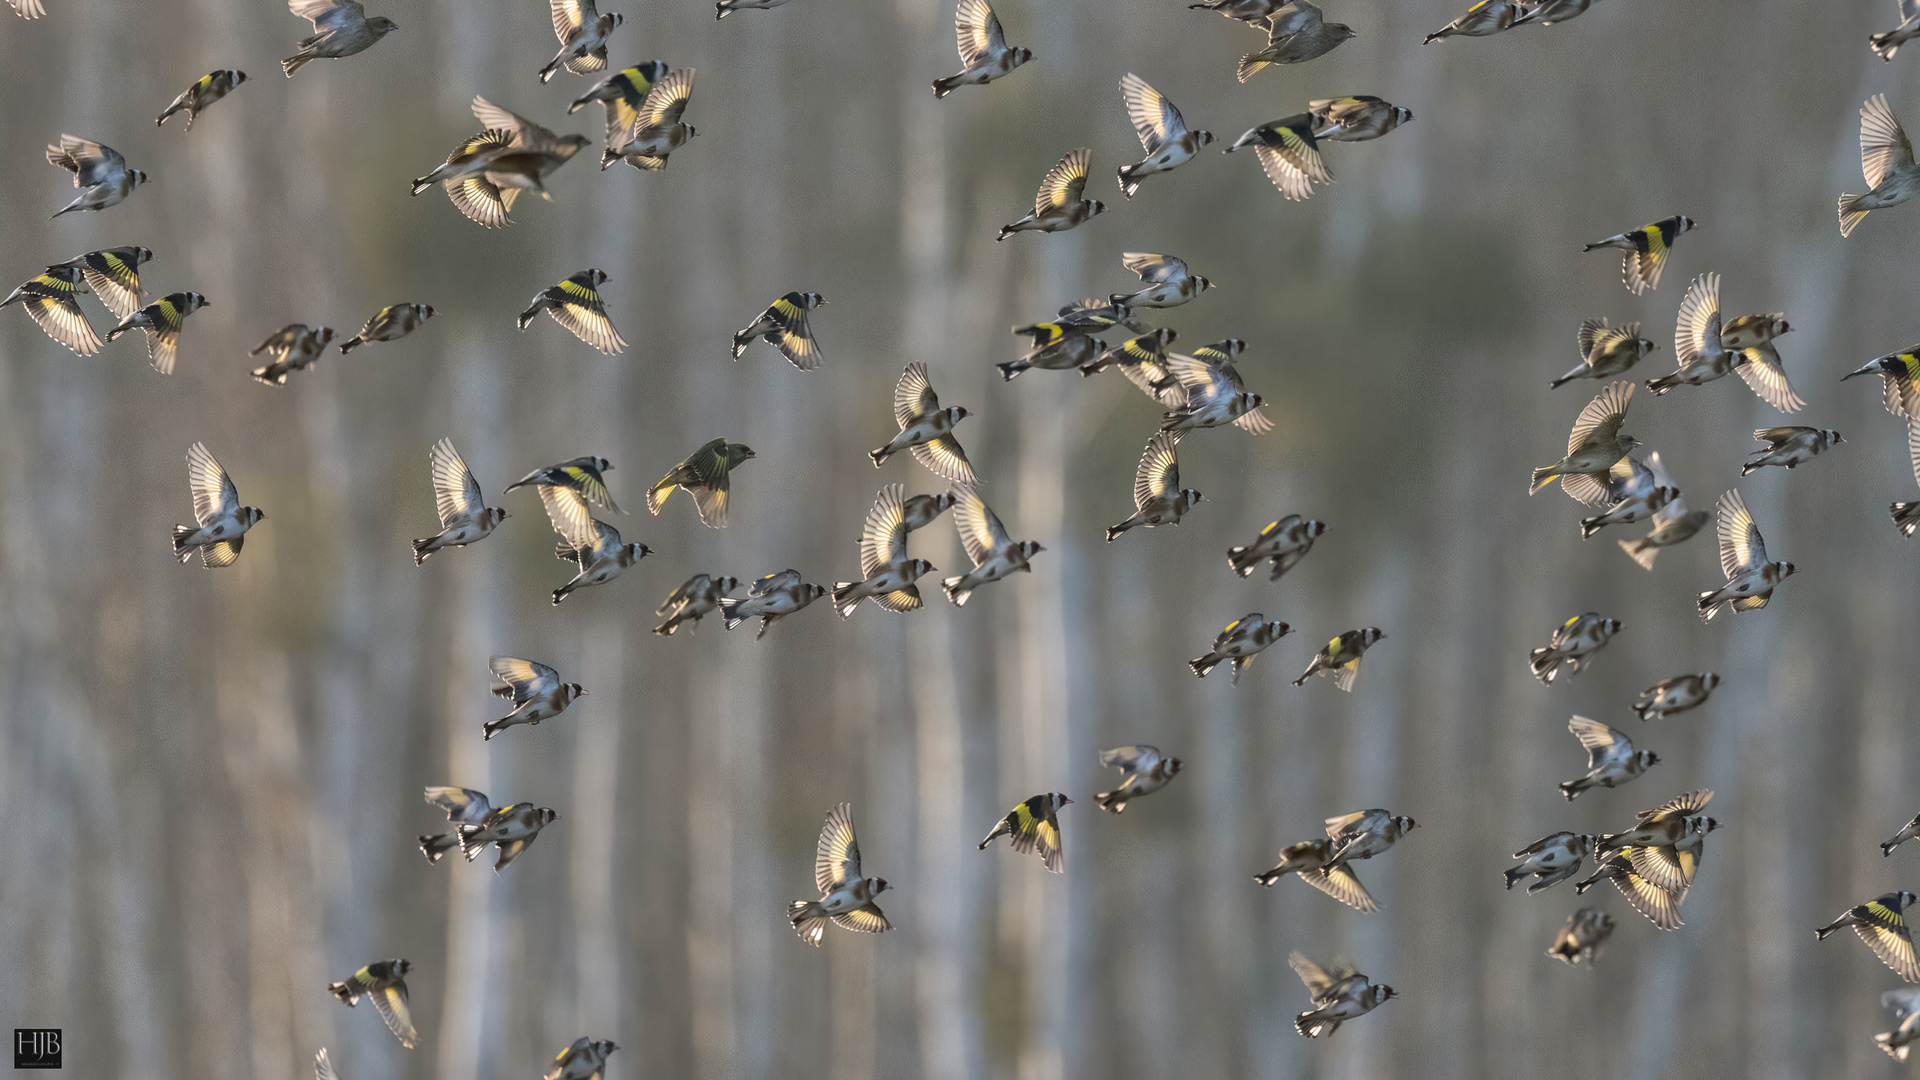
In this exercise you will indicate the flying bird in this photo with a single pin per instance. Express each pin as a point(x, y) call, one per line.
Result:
point(698, 597)
point(1885, 45)
point(1366, 833)
point(1484, 19)
point(770, 599)
point(706, 475)
point(1789, 447)
point(658, 128)
point(1611, 758)
point(576, 304)
point(100, 172)
point(384, 983)
point(1240, 641)
point(1882, 924)
point(585, 475)
point(1143, 771)
point(846, 895)
point(1158, 498)
point(784, 326)
point(162, 322)
point(294, 347)
point(1282, 544)
point(340, 28)
point(1061, 204)
point(390, 323)
point(1312, 862)
point(1355, 119)
point(984, 55)
point(1593, 446)
point(465, 517)
point(591, 545)
point(1338, 996)
point(220, 522)
point(1573, 645)
point(1743, 559)
point(584, 1059)
point(1550, 860)
point(1339, 658)
point(1289, 154)
point(1905, 1003)
point(1647, 248)
point(1033, 827)
point(1167, 280)
point(1579, 942)
point(994, 554)
point(114, 276)
point(583, 32)
point(1676, 695)
point(926, 429)
point(535, 690)
point(204, 92)
point(509, 829)
point(1886, 160)
point(621, 96)
point(52, 301)
point(887, 572)
point(461, 805)
point(1606, 351)
point(1296, 33)
point(1163, 132)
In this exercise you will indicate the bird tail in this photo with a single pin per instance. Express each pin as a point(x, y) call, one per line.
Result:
point(293, 63)
point(720, 10)
point(1884, 46)
point(843, 599)
point(345, 993)
point(667, 628)
point(881, 455)
point(943, 87)
point(1541, 478)
point(494, 727)
point(547, 73)
point(351, 344)
point(1821, 933)
point(1203, 664)
point(1544, 663)
point(1111, 801)
point(1250, 65)
point(1128, 183)
point(1850, 217)
point(1567, 378)
point(435, 846)
point(1012, 368)
point(423, 548)
point(999, 830)
point(1271, 877)
point(181, 550)
point(1513, 876)
point(1571, 789)
point(269, 376)
point(1884, 1040)
point(730, 612)
point(1116, 530)
point(955, 593)
point(809, 920)
point(472, 839)
point(1906, 516)
point(1313, 1025)
point(530, 314)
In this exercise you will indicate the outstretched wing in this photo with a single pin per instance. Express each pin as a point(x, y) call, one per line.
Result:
point(1154, 118)
point(1340, 882)
point(526, 678)
point(667, 101)
point(978, 31)
point(456, 493)
point(1600, 421)
point(1766, 376)
point(836, 860)
point(884, 540)
point(1883, 145)
point(913, 395)
point(1153, 269)
point(1159, 471)
point(1698, 329)
point(213, 491)
point(570, 516)
point(1066, 182)
point(1740, 545)
point(980, 530)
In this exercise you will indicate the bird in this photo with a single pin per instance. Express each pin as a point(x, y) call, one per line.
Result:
point(205, 91)
point(1647, 248)
point(1355, 119)
point(463, 175)
point(1907, 832)
point(621, 95)
point(220, 522)
point(920, 511)
point(1899, 380)
point(1282, 544)
point(465, 517)
point(1143, 771)
point(340, 28)
point(1663, 826)
point(1289, 154)
point(585, 475)
point(1634, 493)
point(1593, 446)
point(1163, 132)
point(1880, 923)
point(846, 894)
point(1366, 833)
point(591, 545)
point(984, 55)
point(114, 276)
point(1484, 19)
point(583, 38)
point(658, 129)
point(771, 599)
point(384, 983)
point(1606, 351)
point(926, 429)
point(697, 598)
point(1581, 939)
point(1338, 995)
point(1296, 33)
point(1143, 360)
point(322, 1065)
point(1060, 205)
point(576, 304)
point(1905, 1003)
point(1065, 353)
point(100, 172)
point(1885, 45)
point(1158, 498)
point(1743, 559)
point(1549, 12)
point(583, 1059)
point(162, 321)
point(1240, 641)
point(52, 301)
point(1611, 758)
point(1312, 862)
point(294, 347)
point(1340, 657)
point(1790, 446)
point(535, 690)
point(706, 475)
point(1673, 523)
point(390, 323)
point(1906, 515)
point(1746, 331)
point(462, 805)
point(994, 554)
point(484, 175)
point(1214, 392)
point(1675, 695)
point(1573, 645)
point(509, 829)
point(1167, 280)
point(725, 7)
point(784, 326)
point(1550, 860)
point(1886, 161)
point(887, 572)
point(1034, 826)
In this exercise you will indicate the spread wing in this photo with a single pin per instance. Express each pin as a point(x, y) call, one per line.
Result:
point(1340, 882)
point(1159, 471)
point(526, 134)
point(1294, 165)
point(1685, 805)
point(1140, 758)
point(1663, 868)
point(1602, 742)
point(667, 101)
point(1659, 906)
point(1357, 822)
point(980, 530)
point(569, 16)
point(526, 679)
point(1066, 182)
point(900, 601)
point(1311, 974)
point(1886, 934)
point(1154, 118)
point(884, 540)
point(1542, 844)
point(1767, 377)
point(60, 316)
point(391, 1004)
point(1740, 545)
point(213, 490)
point(570, 516)
point(584, 313)
point(836, 861)
point(1600, 421)
point(115, 277)
point(1698, 328)
point(1153, 269)
point(323, 1066)
point(456, 494)
point(944, 458)
point(978, 31)
point(90, 162)
point(785, 579)
point(913, 395)
point(865, 920)
point(460, 804)
point(1883, 146)
point(1203, 381)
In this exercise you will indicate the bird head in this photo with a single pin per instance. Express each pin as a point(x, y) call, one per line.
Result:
point(323, 335)
point(1279, 629)
point(1342, 30)
point(425, 310)
point(610, 20)
point(918, 568)
point(1231, 347)
point(1316, 528)
point(1401, 115)
point(398, 966)
point(137, 177)
point(1704, 825)
point(602, 464)
point(1253, 400)
point(813, 592)
point(1202, 138)
point(636, 551)
point(944, 502)
point(492, 516)
point(235, 76)
point(1787, 570)
point(195, 301)
point(1779, 326)
point(1610, 626)
point(255, 515)
point(1647, 346)
point(1710, 680)
point(382, 26)
point(1406, 824)
point(1190, 497)
point(813, 300)
point(572, 691)
point(1381, 991)
point(1060, 800)
point(1028, 549)
point(142, 255)
point(1247, 138)
point(1021, 56)
point(1904, 897)
point(1372, 634)
point(726, 584)
point(1205, 283)
point(1833, 437)
point(597, 276)
point(1648, 759)
point(1166, 335)
point(878, 885)
point(546, 816)
point(957, 413)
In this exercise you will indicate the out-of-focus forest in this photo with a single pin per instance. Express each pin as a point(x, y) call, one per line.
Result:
point(212, 780)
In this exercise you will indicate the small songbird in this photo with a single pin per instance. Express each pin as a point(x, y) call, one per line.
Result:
point(1143, 771)
point(1550, 860)
point(384, 983)
point(984, 55)
point(725, 7)
point(1214, 392)
point(1647, 248)
point(784, 326)
point(995, 555)
point(1634, 493)
point(1296, 33)
point(1283, 543)
point(509, 829)
point(592, 546)
point(1611, 758)
point(1547, 13)
point(1484, 19)
point(583, 35)
point(1060, 205)
point(1606, 351)
point(1675, 695)
point(575, 303)
point(389, 324)
point(535, 690)
point(1167, 280)
point(1743, 558)
point(52, 301)
point(1880, 923)
point(1034, 827)
point(706, 475)
point(771, 599)
point(1899, 380)
point(1907, 832)
point(114, 275)
point(1240, 641)
point(1366, 833)
point(1158, 498)
point(658, 128)
point(921, 511)
point(462, 805)
point(340, 28)
point(1790, 446)
point(98, 171)
point(1904, 1001)
point(1648, 899)
point(1580, 941)
point(1593, 446)
point(1340, 658)
point(1063, 353)
point(221, 523)
point(1143, 360)
point(1885, 45)
point(1663, 826)
point(204, 92)
point(621, 94)
point(1338, 996)
point(1312, 862)
point(1355, 119)
point(582, 474)
point(485, 173)
point(162, 321)
point(1574, 643)
point(465, 517)
point(1163, 133)
point(887, 573)
point(926, 429)
point(1906, 515)
point(846, 895)
point(1289, 154)
point(699, 597)
point(1673, 523)
point(585, 1059)
point(1886, 159)
point(293, 348)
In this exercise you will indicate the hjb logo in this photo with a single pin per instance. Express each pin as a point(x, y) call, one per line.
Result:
point(36, 1048)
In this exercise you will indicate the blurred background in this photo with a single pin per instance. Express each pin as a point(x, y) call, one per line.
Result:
point(213, 780)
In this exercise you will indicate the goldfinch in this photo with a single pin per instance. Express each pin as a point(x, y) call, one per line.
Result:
point(926, 429)
point(887, 572)
point(1296, 33)
point(591, 545)
point(1905, 1003)
point(1573, 645)
point(1163, 132)
point(1907, 832)
point(695, 599)
point(583, 32)
point(1549, 12)
point(770, 599)
point(1550, 860)
point(293, 348)
point(1282, 544)
point(340, 28)
point(1484, 19)
point(1338, 996)
point(585, 475)
point(485, 173)
point(114, 275)
point(1698, 345)
point(98, 171)
point(984, 55)
point(658, 129)
point(509, 829)
point(1143, 360)
point(534, 689)
point(1593, 446)
point(621, 95)
point(162, 321)
point(1886, 160)
point(784, 326)
point(1366, 833)
point(1899, 380)
point(1312, 862)
point(846, 894)
point(1673, 523)
point(1885, 45)
point(1663, 826)
point(921, 511)
point(585, 1059)
point(465, 518)
point(1676, 695)
point(389, 324)
point(1060, 205)
point(707, 475)
point(575, 303)
point(1063, 354)
point(1611, 758)
point(995, 555)
point(1743, 559)
point(1034, 827)
point(1882, 924)
point(1288, 153)
point(1579, 942)
point(384, 983)
point(1606, 351)
point(1634, 493)
point(1241, 640)
point(1355, 119)
point(462, 805)
point(1143, 771)
point(1340, 658)
point(1158, 498)
point(1168, 282)
point(1647, 248)
point(220, 522)
point(1790, 446)
point(52, 301)
point(1215, 395)
point(204, 92)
